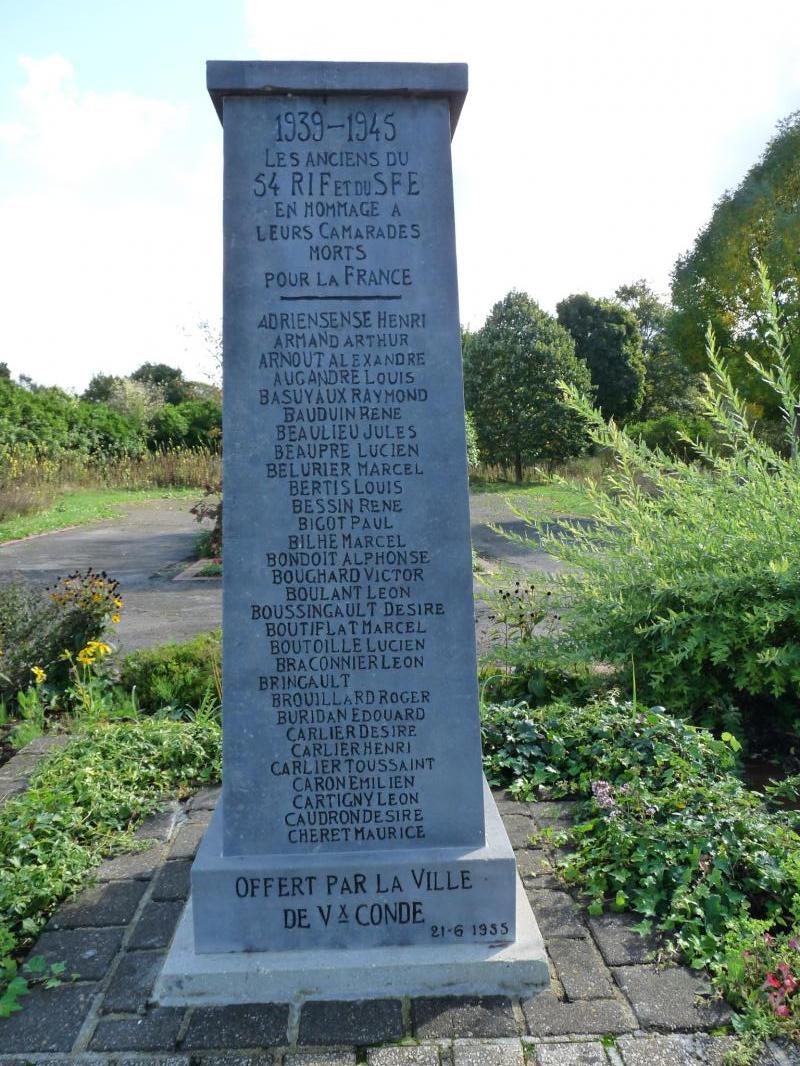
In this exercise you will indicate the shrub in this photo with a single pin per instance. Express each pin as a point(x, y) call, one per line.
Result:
point(53, 423)
point(177, 676)
point(80, 805)
point(673, 434)
point(692, 574)
point(38, 626)
point(473, 453)
point(193, 424)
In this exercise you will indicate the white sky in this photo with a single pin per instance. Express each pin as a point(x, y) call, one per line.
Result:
point(596, 137)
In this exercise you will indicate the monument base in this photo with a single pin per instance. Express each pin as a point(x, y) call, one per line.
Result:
point(350, 899)
point(192, 979)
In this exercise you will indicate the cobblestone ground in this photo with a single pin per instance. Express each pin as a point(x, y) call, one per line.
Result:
point(608, 1003)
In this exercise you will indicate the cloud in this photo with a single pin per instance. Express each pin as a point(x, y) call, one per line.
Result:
point(71, 135)
point(111, 236)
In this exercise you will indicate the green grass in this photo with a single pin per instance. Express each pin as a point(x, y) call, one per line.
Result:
point(540, 499)
point(80, 506)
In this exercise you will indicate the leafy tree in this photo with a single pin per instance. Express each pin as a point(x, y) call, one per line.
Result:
point(136, 399)
point(650, 311)
point(512, 367)
point(718, 282)
point(101, 388)
point(5, 372)
point(669, 386)
point(607, 339)
point(169, 379)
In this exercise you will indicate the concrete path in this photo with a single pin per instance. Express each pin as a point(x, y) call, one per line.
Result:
point(143, 550)
point(490, 509)
point(149, 546)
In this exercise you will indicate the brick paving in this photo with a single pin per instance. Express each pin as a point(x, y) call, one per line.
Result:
point(609, 1004)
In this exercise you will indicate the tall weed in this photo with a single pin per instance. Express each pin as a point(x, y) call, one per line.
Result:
point(29, 482)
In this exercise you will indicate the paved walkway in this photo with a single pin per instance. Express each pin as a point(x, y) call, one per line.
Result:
point(608, 1004)
point(143, 550)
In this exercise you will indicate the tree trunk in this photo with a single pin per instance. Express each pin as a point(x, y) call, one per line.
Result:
point(518, 468)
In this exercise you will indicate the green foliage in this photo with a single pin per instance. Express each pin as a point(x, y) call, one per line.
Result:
point(607, 339)
point(31, 713)
point(511, 370)
point(473, 453)
point(664, 828)
point(54, 423)
point(101, 388)
point(759, 974)
point(37, 626)
point(178, 676)
point(524, 662)
point(673, 434)
point(717, 280)
point(692, 573)
point(168, 379)
point(116, 419)
point(81, 805)
point(670, 386)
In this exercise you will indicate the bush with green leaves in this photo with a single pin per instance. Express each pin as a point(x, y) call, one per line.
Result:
point(664, 828)
point(691, 571)
point(673, 434)
point(473, 452)
point(38, 627)
point(191, 424)
point(176, 676)
point(81, 805)
point(55, 424)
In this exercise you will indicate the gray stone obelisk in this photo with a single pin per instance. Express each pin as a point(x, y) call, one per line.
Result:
point(354, 812)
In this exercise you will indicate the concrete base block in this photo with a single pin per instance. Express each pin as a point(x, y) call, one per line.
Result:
point(351, 900)
point(518, 970)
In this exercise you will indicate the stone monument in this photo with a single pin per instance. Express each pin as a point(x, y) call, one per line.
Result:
point(356, 850)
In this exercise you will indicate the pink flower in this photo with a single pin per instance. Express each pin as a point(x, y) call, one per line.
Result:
point(782, 1011)
point(769, 939)
point(794, 944)
point(772, 981)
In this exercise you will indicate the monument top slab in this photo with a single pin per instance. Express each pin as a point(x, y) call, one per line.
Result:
point(258, 77)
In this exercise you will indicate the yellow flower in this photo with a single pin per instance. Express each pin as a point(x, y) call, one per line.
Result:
point(38, 674)
point(118, 601)
point(95, 649)
point(115, 619)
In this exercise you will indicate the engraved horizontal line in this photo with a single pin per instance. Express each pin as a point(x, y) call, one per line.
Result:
point(341, 297)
